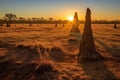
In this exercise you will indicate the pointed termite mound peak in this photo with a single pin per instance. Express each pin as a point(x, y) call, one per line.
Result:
point(87, 50)
point(75, 25)
point(76, 18)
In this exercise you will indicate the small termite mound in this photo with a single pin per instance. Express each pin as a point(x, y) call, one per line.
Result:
point(57, 54)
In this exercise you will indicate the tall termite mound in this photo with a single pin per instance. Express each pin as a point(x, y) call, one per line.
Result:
point(87, 50)
point(75, 25)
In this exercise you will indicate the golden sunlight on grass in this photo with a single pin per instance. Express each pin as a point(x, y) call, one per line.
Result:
point(70, 18)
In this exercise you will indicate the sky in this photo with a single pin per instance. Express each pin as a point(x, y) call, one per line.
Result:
point(61, 9)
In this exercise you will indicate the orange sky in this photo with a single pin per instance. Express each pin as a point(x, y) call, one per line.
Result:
point(61, 9)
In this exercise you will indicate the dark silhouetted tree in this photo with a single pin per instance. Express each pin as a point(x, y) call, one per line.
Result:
point(1, 22)
point(87, 50)
point(42, 19)
point(30, 21)
point(9, 18)
point(63, 25)
point(56, 24)
point(22, 20)
point(115, 26)
point(50, 19)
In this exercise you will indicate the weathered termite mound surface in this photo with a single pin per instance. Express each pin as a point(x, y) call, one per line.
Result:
point(75, 25)
point(57, 54)
point(87, 45)
point(75, 34)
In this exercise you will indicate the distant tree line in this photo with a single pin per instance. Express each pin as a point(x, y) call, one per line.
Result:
point(106, 22)
point(13, 19)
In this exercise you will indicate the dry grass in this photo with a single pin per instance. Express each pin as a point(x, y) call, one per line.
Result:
point(27, 64)
point(45, 64)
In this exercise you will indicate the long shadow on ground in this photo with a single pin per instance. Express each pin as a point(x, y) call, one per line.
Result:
point(108, 49)
point(74, 38)
point(98, 71)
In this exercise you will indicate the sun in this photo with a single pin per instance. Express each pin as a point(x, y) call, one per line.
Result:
point(70, 18)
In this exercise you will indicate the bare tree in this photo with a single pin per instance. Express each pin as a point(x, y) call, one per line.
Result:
point(87, 50)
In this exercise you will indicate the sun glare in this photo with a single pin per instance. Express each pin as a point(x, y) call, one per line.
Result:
point(70, 18)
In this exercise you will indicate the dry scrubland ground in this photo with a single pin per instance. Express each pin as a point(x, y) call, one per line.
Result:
point(20, 60)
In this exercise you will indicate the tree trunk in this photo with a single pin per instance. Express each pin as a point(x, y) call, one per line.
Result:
point(87, 50)
point(115, 26)
point(1, 24)
point(8, 24)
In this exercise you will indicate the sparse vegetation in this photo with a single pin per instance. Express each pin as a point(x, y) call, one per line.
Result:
point(19, 47)
point(32, 52)
point(8, 18)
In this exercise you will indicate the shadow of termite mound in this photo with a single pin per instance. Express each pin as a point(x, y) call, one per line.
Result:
point(46, 72)
point(57, 54)
point(98, 70)
point(4, 67)
point(26, 53)
point(74, 38)
point(6, 45)
point(25, 71)
point(45, 66)
point(26, 47)
point(7, 69)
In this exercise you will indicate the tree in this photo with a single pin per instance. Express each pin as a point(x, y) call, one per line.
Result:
point(1, 22)
point(9, 17)
point(56, 24)
point(42, 19)
point(29, 21)
point(87, 50)
point(50, 19)
point(115, 26)
point(21, 19)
